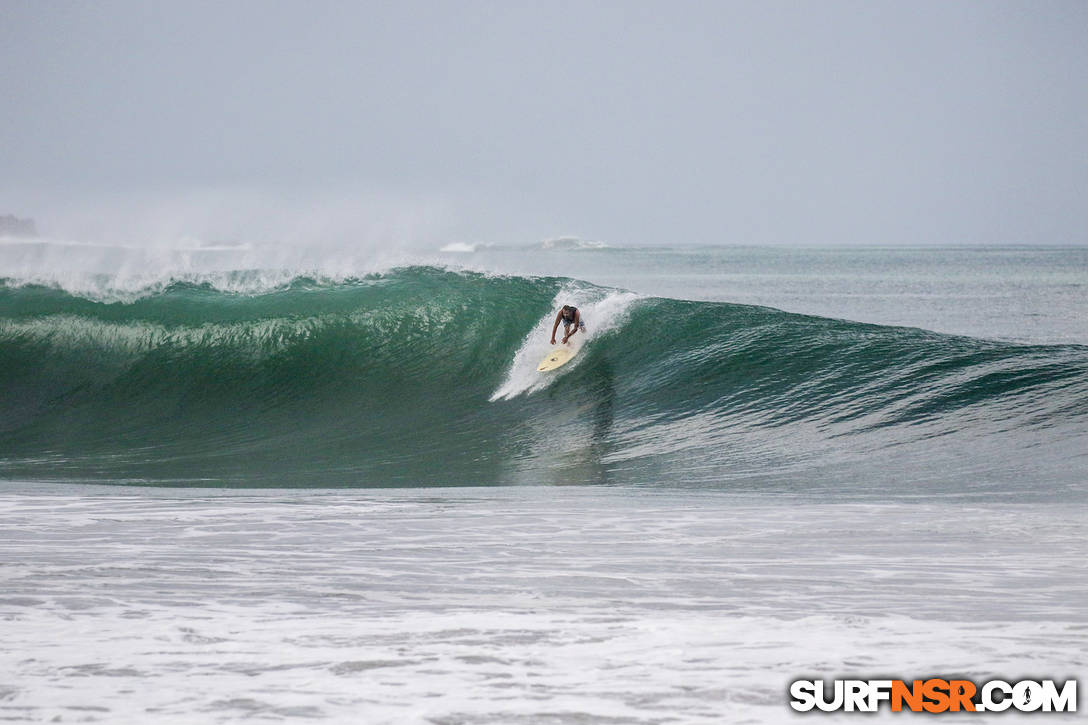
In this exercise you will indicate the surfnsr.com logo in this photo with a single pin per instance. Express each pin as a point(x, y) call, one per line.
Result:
point(933, 695)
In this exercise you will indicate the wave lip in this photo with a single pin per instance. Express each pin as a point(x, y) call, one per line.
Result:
point(424, 376)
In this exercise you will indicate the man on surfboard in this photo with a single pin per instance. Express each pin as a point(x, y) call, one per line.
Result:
point(569, 315)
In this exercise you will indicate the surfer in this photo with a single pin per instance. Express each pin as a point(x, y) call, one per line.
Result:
point(569, 315)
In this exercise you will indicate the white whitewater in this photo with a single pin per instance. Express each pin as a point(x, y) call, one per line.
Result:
point(603, 312)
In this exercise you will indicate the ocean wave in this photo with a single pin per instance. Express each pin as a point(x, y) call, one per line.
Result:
point(571, 244)
point(425, 376)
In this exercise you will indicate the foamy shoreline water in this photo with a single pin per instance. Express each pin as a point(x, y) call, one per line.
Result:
point(535, 605)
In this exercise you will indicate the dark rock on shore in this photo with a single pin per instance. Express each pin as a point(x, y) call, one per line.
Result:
point(13, 226)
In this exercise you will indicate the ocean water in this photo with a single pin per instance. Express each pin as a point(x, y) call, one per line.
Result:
point(245, 485)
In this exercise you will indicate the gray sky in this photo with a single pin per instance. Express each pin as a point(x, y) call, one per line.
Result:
point(646, 123)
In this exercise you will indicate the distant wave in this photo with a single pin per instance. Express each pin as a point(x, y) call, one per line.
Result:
point(556, 244)
point(571, 243)
point(423, 376)
point(461, 247)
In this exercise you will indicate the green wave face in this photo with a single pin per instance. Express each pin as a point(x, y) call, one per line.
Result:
point(421, 377)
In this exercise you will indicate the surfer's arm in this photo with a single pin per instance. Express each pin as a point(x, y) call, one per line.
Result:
point(556, 325)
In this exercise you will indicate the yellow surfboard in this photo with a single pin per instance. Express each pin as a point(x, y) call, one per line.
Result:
point(559, 355)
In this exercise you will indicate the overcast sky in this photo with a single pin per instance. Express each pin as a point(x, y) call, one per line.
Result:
point(649, 123)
